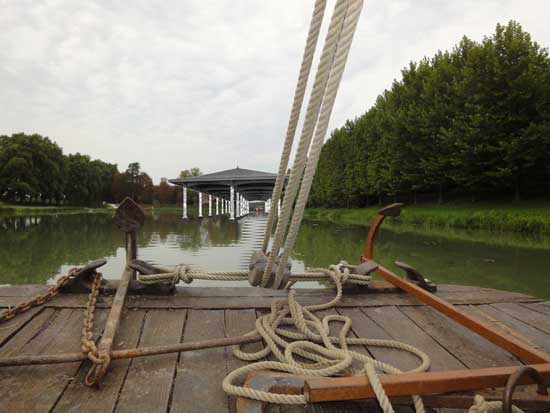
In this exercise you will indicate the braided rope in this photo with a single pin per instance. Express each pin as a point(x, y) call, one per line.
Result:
point(483, 406)
point(312, 114)
point(344, 45)
point(305, 68)
point(186, 274)
point(312, 342)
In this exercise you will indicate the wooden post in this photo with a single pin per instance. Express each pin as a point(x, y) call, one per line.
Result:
point(184, 216)
point(200, 204)
point(232, 203)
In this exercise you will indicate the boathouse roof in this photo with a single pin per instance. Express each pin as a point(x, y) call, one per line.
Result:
point(253, 185)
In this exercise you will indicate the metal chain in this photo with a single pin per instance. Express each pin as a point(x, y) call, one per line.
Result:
point(88, 345)
point(40, 298)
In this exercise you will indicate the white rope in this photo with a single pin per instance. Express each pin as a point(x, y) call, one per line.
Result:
point(350, 24)
point(313, 343)
point(482, 406)
point(305, 68)
point(187, 274)
point(312, 113)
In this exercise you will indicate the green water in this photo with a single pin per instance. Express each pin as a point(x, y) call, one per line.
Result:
point(37, 249)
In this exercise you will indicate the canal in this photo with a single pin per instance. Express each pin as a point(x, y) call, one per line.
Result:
point(36, 249)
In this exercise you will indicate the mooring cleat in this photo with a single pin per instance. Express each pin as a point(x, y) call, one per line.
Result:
point(365, 268)
point(256, 270)
point(415, 276)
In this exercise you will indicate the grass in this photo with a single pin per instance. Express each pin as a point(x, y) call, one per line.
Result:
point(521, 217)
point(22, 210)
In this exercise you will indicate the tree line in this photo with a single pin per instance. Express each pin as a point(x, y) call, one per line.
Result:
point(472, 122)
point(34, 170)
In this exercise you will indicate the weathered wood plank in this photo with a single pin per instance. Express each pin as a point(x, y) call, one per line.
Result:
point(471, 349)
point(149, 380)
point(401, 328)
point(37, 388)
point(81, 398)
point(510, 325)
point(26, 290)
point(200, 373)
point(543, 307)
point(11, 327)
point(531, 317)
point(189, 300)
point(239, 322)
point(364, 327)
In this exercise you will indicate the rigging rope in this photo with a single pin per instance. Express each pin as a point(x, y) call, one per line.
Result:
point(305, 68)
point(327, 79)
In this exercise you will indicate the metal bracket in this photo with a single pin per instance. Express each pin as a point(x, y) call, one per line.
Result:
point(82, 280)
point(256, 268)
point(414, 275)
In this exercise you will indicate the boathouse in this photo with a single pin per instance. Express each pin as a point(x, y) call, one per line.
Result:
point(231, 190)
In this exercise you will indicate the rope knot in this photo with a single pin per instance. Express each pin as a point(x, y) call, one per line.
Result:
point(182, 272)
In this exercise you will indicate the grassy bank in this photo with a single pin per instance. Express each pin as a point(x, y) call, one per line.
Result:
point(22, 210)
point(529, 218)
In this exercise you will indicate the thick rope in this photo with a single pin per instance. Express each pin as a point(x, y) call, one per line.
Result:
point(313, 343)
point(305, 68)
point(482, 406)
point(186, 274)
point(312, 113)
point(346, 37)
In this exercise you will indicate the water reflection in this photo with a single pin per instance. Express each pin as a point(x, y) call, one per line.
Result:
point(37, 249)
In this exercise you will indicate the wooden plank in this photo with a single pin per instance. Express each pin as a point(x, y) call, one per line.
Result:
point(37, 388)
point(543, 307)
point(510, 325)
point(471, 349)
point(16, 343)
point(239, 322)
point(401, 328)
point(364, 327)
point(531, 317)
point(27, 290)
point(200, 373)
point(349, 300)
point(149, 379)
point(11, 327)
point(81, 398)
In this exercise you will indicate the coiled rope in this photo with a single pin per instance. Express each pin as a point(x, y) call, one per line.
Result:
point(314, 343)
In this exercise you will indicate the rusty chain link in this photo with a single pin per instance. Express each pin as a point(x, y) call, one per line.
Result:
point(40, 298)
point(88, 345)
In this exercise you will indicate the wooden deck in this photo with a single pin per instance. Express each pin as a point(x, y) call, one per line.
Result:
point(191, 382)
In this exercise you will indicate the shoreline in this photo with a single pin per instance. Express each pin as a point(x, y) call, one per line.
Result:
point(524, 218)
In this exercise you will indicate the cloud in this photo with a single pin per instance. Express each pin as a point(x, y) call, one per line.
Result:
point(200, 83)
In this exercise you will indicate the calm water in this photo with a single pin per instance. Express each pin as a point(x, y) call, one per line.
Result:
point(37, 249)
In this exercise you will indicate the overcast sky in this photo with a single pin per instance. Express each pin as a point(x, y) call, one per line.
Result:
point(178, 84)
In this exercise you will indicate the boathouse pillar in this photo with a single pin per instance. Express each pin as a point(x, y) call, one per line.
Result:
point(217, 206)
point(184, 215)
point(232, 203)
point(209, 205)
point(237, 205)
point(200, 204)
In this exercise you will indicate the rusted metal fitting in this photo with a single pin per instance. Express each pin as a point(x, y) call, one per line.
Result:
point(414, 275)
point(256, 270)
point(542, 388)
